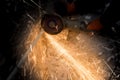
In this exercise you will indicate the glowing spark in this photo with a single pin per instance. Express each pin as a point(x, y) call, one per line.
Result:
point(27, 3)
point(34, 59)
point(52, 59)
point(24, 57)
point(30, 17)
point(31, 48)
point(79, 68)
point(36, 4)
point(109, 67)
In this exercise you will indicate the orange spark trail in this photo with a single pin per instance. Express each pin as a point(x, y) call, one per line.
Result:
point(77, 66)
point(66, 56)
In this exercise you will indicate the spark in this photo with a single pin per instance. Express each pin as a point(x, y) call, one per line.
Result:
point(24, 1)
point(31, 48)
point(24, 57)
point(57, 54)
point(36, 4)
point(79, 68)
point(53, 59)
point(30, 17)
point(109, 67)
